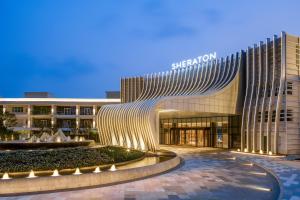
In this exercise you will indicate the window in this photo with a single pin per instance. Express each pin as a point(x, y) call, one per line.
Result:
point(68, 111)
point(86, 123)
point(269, 91)
point(17, 109)
point(273, 115)
point(259, 117)
point(86, 110)
point(281, 115)
point(41, 123)
point(67, 124)
point(44, 122)
point(41, 110)
point(266, 116)
point(262, 91)
point(289, 88)
point(289, 115)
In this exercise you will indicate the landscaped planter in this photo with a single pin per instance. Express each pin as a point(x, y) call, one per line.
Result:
point(64, 158)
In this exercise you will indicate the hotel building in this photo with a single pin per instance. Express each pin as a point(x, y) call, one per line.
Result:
point(39, 110)
point(248, 100)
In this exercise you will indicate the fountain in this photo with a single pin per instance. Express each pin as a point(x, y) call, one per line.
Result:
point(31, 174)
point(59, 136)
point(46, 141)
point(113, 168)
point(77, 171)
point(55, 173)
point(97, 170)
point(32, 139)
point(45, 137)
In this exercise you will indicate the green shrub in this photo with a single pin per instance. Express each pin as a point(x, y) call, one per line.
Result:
point(24, 160)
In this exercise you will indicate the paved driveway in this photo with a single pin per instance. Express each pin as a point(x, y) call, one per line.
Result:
point(205, 174)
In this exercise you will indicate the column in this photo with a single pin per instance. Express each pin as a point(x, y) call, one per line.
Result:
point(94, 116)
point(29, 116)
point(77, 115)
point(53, 112)
point(4, 110)
point(272, 96)
point(280, 97)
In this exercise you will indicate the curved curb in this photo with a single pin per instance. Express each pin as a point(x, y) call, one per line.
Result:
point(272, 173)
point(67, 182)
point(71, 170)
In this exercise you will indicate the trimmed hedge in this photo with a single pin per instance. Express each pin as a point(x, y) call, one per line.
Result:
point(41, 145)
point(24, 161)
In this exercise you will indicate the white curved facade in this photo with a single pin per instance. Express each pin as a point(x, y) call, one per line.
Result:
point(208, 88)
point(259, 88)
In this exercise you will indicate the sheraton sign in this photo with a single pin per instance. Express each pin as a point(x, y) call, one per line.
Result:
point(195, 61)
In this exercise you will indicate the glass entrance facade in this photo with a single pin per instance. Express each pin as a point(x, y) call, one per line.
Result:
point(221, 131)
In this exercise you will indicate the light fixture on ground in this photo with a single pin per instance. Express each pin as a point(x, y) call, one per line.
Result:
point(113, 168)
point(233, 158)
point(55, 173)
point(5, 176)
point(259, 188)
point(261, 152)
point(77, 171)
point(31, 174)
point(258, 173)
point(249, 164)
point(97, 170)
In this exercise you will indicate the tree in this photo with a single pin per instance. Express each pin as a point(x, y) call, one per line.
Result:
point(7, 120)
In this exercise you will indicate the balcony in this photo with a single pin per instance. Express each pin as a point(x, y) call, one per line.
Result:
point(66, 123)
point(86, 110)
point(41, 110)
point(86, 123)
point(41, 123)
point(66, 110)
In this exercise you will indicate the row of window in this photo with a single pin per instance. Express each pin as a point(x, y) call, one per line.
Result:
point(63, 123)
point(45, 110)
point(289, 116)
point(288, 91)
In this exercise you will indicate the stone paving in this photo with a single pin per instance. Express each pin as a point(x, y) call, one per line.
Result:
point(205, 174)
point(288, 175)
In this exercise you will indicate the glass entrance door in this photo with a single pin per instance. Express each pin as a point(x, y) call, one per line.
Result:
point(191, 137)
point(195, 137)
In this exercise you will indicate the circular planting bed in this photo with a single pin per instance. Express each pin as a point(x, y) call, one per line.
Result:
point(64, 158)
point(27, 171)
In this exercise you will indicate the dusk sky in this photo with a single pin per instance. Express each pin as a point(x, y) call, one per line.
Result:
point(83, 48)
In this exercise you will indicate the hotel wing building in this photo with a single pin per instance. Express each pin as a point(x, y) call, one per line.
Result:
point(36, 112)
point(248, 100)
